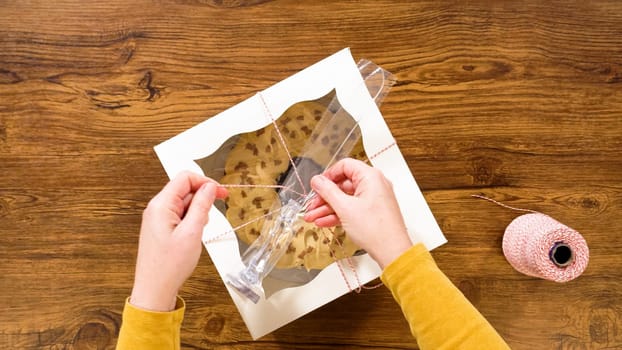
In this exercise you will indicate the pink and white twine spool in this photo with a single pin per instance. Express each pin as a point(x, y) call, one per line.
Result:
point(538, 245)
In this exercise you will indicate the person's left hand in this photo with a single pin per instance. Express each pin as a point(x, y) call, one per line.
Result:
point(170, 239)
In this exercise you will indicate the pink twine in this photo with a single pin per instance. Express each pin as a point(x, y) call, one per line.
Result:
point(338, 262)
point(359, 286)
point(537, 245)
point(531, 242)
point(285, 188)
point(386, 148)
point(223, 234)
point(501, 204)
point(278, 132)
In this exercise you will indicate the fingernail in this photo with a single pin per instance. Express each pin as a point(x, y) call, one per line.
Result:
point(318, 181)
point(203, 187)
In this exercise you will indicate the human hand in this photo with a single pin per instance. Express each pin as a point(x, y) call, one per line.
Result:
point(361, 199)
point(170, 239)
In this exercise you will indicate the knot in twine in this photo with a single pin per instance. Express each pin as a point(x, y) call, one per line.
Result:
point(537, 245)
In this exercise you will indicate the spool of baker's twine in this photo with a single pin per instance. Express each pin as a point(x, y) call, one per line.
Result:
point(537, 245)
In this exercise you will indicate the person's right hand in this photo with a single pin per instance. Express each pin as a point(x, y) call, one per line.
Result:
point(361, 199)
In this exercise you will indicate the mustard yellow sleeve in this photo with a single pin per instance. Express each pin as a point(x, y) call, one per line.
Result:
point(149, 330)
point(439, 315)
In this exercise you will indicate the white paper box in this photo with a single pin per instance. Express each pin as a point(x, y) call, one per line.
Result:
point(338, 72)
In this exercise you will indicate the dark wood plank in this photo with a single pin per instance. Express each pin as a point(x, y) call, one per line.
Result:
point(518, 101)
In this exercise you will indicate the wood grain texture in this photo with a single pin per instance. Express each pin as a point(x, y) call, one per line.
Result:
point(520, 101)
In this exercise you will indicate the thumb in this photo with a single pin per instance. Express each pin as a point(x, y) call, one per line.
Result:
point(197, 214)
point(330, 193)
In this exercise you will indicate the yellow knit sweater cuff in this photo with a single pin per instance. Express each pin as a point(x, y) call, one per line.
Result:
point(143, 329)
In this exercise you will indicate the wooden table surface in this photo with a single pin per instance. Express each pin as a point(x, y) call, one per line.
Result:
point(520, 101)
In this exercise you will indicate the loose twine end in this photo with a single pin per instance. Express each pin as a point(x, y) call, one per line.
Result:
point(503, 205)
